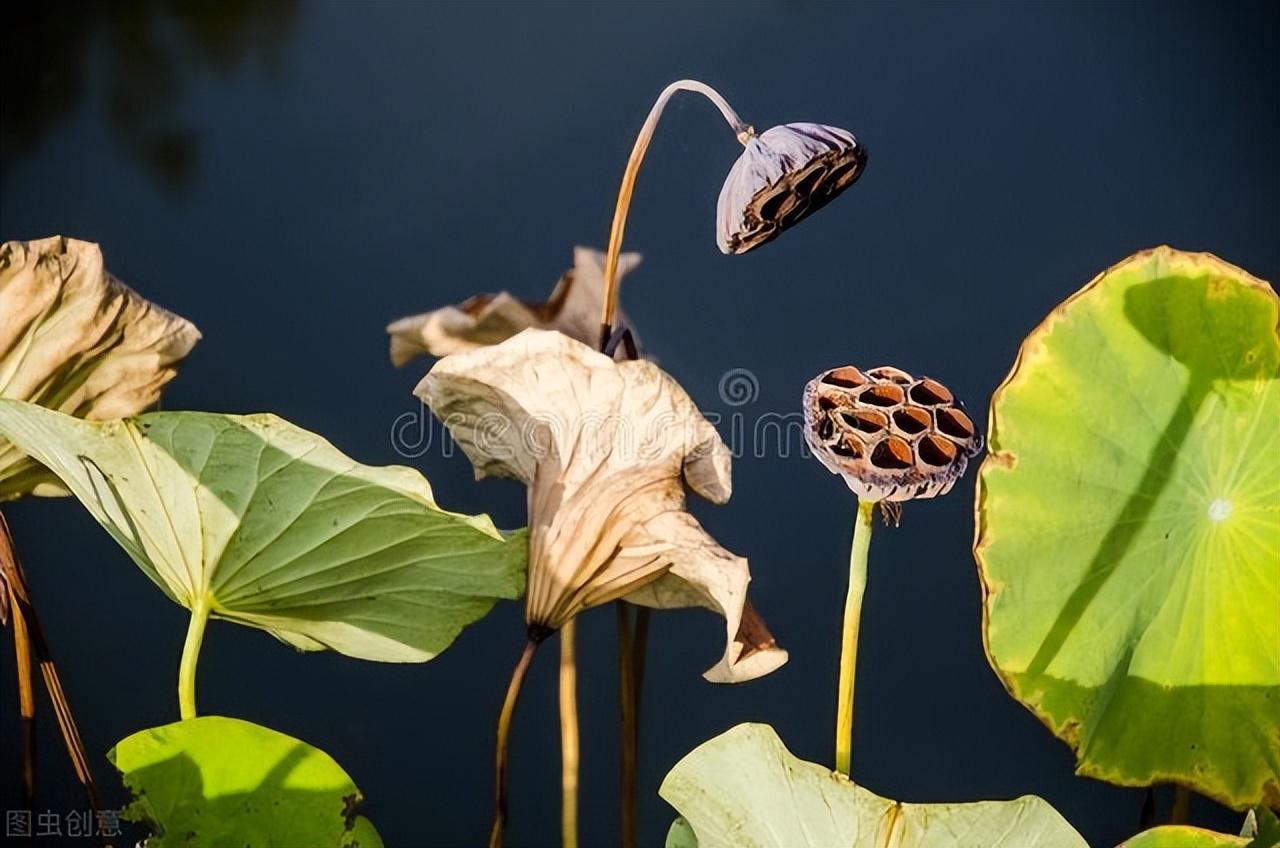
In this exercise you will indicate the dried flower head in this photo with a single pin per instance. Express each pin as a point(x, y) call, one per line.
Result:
point(606, 449)
point(784, 175)
point(487, 319)
point(892, 437)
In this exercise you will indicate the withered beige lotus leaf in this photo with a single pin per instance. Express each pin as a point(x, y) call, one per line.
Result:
point(487, 319)
point(75, 339)
point(605, 449)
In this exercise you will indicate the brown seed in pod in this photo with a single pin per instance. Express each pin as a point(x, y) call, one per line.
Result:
point(891, 436)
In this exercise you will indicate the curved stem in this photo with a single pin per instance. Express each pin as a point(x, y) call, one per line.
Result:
point(741, 130)
point(849, 641)
point(569, 735)
point(190, 656)
point(504, 735)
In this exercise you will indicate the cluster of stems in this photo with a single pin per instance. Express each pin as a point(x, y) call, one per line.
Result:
point(632, 637)
point(29, 642)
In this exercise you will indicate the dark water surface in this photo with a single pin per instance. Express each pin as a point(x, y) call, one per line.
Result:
point(292, 177)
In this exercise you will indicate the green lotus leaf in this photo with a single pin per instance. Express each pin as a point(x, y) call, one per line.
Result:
point(1182, 836)
point(681, 834)
point(744, 789)
point(215, 781)
point(1128, 527)
point(269, 525)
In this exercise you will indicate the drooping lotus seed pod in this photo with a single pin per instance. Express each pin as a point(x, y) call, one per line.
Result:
point(892, 437)
point(784, 174)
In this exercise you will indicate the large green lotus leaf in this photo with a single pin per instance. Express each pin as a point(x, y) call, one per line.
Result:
point(1182, 836)
point(744, 789)
point(1128, 527)
point(277, 529)
point(215, 781)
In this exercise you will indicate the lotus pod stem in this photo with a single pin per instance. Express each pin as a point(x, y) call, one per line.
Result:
point(849, 633)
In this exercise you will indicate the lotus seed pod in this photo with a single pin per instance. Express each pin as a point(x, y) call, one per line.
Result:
point(784, 174)
point(892, 437)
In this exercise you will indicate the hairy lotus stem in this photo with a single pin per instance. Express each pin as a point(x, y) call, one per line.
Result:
point(849, 641)
point(744, 133)
point(569, 735)
point(504, 735)
point(190, 656)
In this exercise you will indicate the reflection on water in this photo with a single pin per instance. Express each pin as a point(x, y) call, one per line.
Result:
point(135, 60)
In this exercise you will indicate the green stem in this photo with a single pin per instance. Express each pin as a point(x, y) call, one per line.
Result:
point(849, 641)
point(190, 655)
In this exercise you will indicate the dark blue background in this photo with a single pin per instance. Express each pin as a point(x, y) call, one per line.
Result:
point(291, 178)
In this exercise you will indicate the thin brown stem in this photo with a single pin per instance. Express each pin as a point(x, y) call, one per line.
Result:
point(12, 575)
point(631, 654)
point(569, 734)
point(26, 697)
point(632, 637)
point(504, 735)
point(619, 225)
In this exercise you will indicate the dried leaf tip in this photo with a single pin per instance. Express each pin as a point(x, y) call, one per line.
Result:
point(75, 339)
point(573, 308)
point(784, 175)
point(890, 436)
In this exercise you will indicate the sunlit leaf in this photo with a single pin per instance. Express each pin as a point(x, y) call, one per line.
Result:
point(275, 528)
point(211, 782)
point(1182, 836)
point(744, 789)
point(1129, 527)
point(76, 339)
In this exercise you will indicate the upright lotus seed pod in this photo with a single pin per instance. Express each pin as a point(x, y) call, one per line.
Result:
point(784, 175)
point(892, 438)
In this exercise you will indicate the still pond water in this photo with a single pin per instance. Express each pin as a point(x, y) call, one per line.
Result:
point(291, 177)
